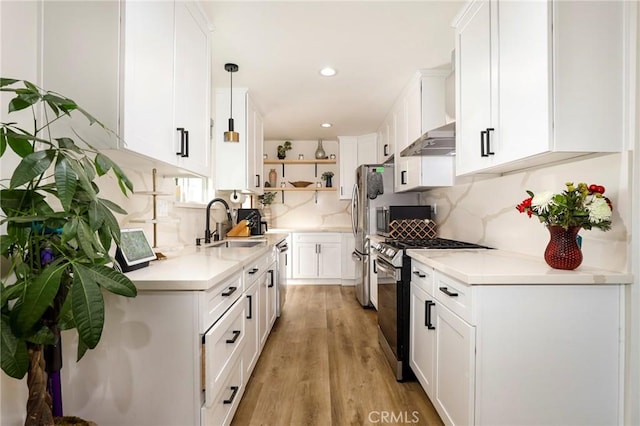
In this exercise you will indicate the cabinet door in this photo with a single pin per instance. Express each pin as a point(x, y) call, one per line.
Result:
point(367, 145)
point(231, 158)
point(401, 164)
point(475, 84)
point(455, 367)
point(258, 151)
point(422, 341)
point(411, 167)
point(329, 262)
point(191, 89)
point(271, 298)
point(348, 164)
point(253, 177)
point(148, 77)
point(252, 330)
point(263, 307)
point(525, 116)
point(384, 144)
point(305, 261)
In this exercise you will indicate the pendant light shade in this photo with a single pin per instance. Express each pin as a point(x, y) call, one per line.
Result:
point(231, 135)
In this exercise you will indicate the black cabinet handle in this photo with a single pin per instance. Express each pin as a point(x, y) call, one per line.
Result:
point(427, 314)
point(236, 334)
point(234, 392)
point(375, 267)
point(271, 281)
point(483, 135)
point(258, 181)
point(181, 130)
point(385, 150)
point(253, 271)
point(403, 177)
point(489, 130)
point(446, 291)
point(250, 306)
point(230, 292)
point(186, 144)
point(418, 273)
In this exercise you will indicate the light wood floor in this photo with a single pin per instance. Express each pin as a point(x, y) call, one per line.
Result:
point(322, 365)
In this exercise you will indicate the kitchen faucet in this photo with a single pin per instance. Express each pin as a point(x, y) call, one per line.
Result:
point(207, 231)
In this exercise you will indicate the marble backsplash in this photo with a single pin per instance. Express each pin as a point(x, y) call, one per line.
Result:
point(482, 209)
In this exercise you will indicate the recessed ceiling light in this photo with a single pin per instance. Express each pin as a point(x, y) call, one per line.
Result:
point(328, 72)
point(326, 125)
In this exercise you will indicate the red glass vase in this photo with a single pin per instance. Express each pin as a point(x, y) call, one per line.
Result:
point(563, 251)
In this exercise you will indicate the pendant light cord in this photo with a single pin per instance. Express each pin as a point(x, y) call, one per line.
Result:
point(231, 90)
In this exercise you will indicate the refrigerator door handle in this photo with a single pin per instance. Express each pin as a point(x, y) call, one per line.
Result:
point(354, 209)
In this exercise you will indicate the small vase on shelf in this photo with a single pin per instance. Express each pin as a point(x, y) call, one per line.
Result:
point(329, 182)
point(563, 251)
point(320, 154)
point(273, 177)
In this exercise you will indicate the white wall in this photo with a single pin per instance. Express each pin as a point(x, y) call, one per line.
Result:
point(18, 59)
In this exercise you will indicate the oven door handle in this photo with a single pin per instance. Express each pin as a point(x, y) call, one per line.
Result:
point(356, 256)
point(384, 267)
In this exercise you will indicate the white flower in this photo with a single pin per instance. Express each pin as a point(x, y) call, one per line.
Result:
point(541, 201)
point(598, 210)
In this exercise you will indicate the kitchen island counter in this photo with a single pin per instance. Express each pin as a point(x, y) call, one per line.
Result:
point(475, 267)
point(201, 267)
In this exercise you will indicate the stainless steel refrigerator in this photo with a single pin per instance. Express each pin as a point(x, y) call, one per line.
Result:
point(363, 216)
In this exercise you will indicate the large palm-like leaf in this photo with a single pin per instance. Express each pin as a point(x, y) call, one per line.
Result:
point(88, 305)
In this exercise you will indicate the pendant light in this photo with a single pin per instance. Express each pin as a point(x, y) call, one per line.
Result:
point(231, 135)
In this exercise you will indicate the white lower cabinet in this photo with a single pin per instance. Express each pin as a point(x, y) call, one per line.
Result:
point(183, 358)
point(517, 354)
point(317, 255)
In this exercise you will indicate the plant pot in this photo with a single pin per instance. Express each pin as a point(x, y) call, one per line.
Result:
point(282, 156)
point(563, 251)
point(329, 182)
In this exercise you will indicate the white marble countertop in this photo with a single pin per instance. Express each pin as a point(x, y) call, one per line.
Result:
point(503, 267)
point(200, 268)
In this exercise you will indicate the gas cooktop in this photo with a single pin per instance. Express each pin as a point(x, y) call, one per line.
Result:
point(433, 243)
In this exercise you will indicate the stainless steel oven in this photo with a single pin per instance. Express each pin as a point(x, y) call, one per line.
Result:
point(391, 295)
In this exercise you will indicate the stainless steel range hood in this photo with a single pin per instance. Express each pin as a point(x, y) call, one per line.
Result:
point(439, 141)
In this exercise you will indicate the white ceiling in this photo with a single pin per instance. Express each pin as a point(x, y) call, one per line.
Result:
point(280, 47)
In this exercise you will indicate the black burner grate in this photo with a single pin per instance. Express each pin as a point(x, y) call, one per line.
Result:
point(435, 243)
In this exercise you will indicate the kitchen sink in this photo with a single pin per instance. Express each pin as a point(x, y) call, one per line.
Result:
point(239, 243)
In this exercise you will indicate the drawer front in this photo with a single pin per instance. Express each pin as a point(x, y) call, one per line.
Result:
point(219, 409)
point(422, 276)
point(223, 345)
point(317, 237)
point(215, 301)
point(454, 295)
point(255, 269)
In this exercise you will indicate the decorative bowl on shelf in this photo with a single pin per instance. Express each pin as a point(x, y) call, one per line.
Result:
point(301, 183)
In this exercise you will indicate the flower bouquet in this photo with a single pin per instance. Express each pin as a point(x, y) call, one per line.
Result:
point(564, 214)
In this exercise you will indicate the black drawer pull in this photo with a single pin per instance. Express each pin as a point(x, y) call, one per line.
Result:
point(386, 149)
point(427, 314)
point(271, 281)
point(446, 291)
point(230, 292)
point(250, 306)
point(233, 395)
point(418, 273)
point(236, 334)
point(253, 271)
point(483, 135)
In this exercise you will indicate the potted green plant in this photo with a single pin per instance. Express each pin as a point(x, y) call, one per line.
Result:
point(327, 176)
point(282, 150)
point(267, 198)
point(57, 239)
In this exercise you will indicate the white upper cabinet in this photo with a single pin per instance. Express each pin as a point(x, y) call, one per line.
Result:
point(536, 83)
point(354, 151)
point(420, 108)
point(238, 164)
point(142, 69)
point(192, 70)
